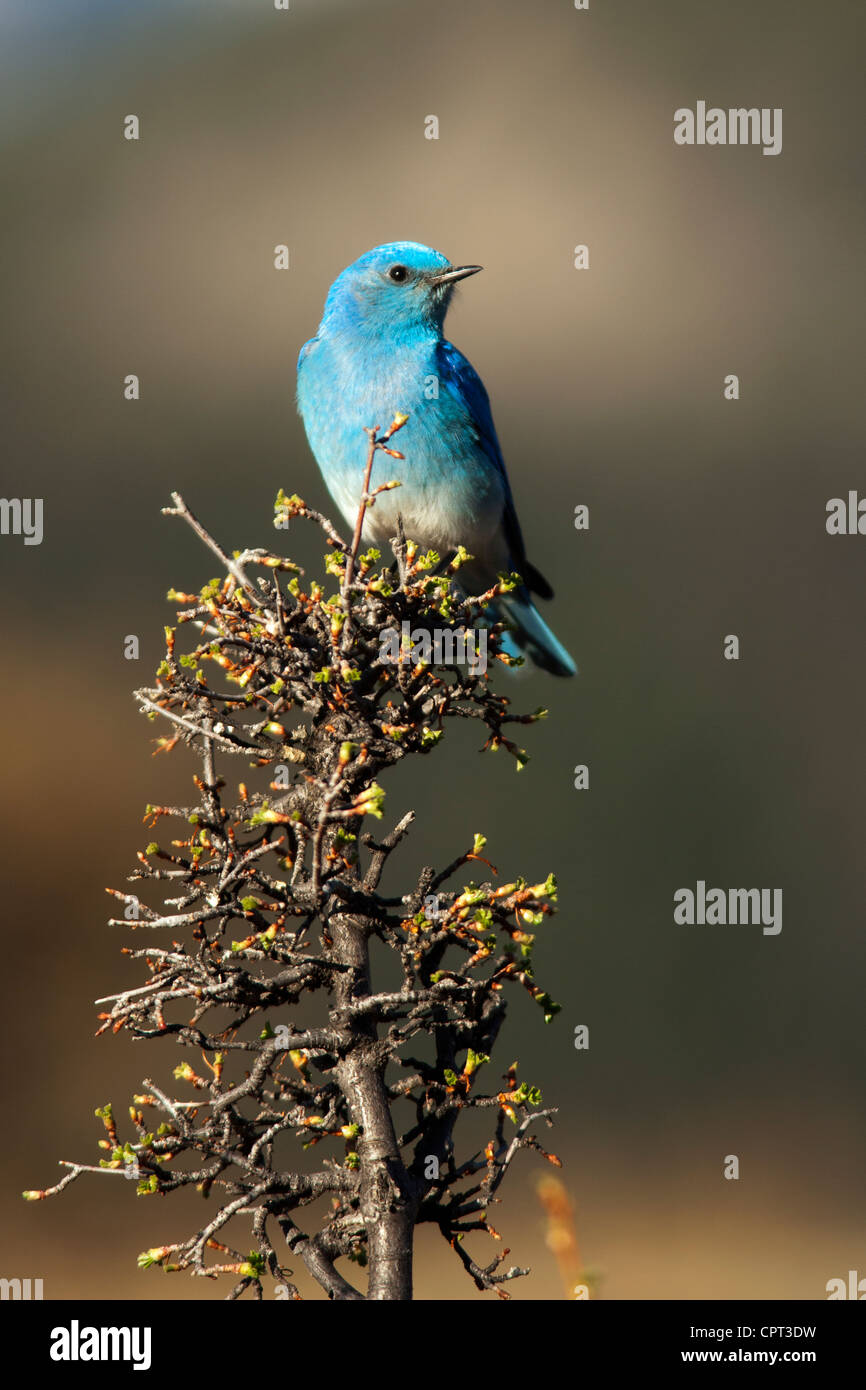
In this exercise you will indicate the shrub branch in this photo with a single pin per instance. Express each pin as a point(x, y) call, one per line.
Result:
point(270, 894)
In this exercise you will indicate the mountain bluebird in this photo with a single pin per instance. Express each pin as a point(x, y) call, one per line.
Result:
point(379, 350)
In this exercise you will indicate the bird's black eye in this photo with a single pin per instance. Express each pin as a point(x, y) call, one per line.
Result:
point(398, 273)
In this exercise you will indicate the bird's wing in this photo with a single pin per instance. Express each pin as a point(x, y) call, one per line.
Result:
point(459, 377)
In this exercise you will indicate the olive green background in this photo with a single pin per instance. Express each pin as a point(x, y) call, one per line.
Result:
point(706, 518)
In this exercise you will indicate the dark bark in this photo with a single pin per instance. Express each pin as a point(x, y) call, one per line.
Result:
point(388, 1201)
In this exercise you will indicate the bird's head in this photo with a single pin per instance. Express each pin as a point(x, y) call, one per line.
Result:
point(394, 288)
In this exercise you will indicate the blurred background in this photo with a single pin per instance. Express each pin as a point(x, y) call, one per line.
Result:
point(707, 518)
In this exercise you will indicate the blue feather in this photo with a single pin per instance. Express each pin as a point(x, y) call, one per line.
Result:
point(380, 349)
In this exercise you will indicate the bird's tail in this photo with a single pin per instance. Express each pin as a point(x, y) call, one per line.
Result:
point(532, 636)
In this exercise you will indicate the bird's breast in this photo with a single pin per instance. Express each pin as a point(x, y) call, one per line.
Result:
point(450, 491)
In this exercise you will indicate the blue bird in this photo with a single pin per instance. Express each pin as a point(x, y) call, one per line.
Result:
point(380, 349)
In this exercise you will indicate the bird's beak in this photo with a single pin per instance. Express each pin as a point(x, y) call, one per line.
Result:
point(457, 272)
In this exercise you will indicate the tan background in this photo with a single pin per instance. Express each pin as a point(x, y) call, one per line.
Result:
point(707, 517)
